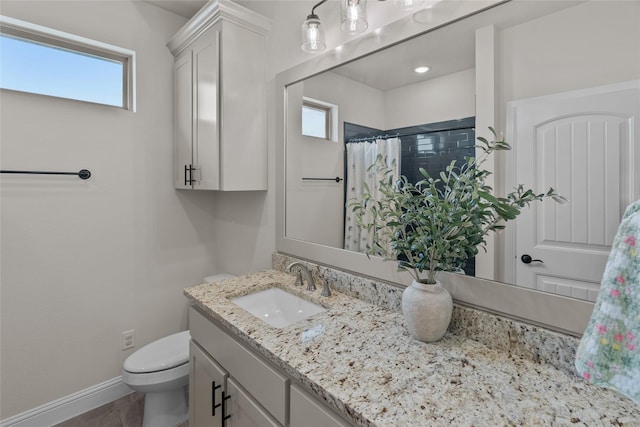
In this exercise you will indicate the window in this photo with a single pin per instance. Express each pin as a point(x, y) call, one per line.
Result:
point(44, 61)
point(319, 119)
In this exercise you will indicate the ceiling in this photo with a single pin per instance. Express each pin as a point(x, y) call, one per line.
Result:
point(186, 8)
point(447, 50)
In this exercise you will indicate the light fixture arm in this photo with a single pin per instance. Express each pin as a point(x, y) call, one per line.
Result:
point(313, 9)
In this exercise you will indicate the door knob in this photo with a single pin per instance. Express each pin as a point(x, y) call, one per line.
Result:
point(526, 258)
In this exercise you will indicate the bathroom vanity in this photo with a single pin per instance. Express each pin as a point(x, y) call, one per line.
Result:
point(232, 386)
point(355, 364)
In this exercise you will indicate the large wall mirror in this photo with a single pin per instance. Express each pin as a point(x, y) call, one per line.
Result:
point(560, 79)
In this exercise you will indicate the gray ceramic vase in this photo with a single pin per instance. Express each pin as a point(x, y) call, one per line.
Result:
point(427, 310)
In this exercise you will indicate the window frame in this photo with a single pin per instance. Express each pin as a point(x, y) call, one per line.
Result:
point(330, 113)
point(39, 34)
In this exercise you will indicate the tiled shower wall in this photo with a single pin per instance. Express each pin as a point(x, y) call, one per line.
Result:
point(430, 146)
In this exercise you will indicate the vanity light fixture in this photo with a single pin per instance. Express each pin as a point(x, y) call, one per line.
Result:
point(354, 16)
point(354, 21)
point(313, 33)
point(421, 70)
point(407, 4)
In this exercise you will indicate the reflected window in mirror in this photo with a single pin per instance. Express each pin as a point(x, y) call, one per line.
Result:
point(317, 118)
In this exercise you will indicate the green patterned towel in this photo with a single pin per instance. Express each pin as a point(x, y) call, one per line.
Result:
point(609, 352)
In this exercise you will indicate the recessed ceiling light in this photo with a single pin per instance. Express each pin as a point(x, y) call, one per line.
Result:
point(421, 70)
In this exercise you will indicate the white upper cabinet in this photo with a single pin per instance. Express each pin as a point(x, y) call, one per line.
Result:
point(220, 100)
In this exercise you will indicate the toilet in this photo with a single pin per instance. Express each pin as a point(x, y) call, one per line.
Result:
point(161, 371)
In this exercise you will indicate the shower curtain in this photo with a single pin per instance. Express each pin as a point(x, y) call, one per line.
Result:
point(360, 155)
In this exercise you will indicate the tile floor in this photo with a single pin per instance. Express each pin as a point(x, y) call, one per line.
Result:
point(124, 412)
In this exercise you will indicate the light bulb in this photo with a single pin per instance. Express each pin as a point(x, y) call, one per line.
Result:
point(312, 35)
point(407, 4)
point(354, 16)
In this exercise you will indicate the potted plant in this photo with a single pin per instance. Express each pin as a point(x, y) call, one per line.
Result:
point(436, 224)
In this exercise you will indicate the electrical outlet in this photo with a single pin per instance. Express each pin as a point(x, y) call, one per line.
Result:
point(128, 339)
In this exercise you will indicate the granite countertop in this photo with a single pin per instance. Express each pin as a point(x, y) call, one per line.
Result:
point(360, 360)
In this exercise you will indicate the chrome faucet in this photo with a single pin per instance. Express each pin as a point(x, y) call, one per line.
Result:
point(326, 292)
point(303, 268)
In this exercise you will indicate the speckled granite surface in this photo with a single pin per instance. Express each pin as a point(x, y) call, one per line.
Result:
point(499, 333)
point(359, 359)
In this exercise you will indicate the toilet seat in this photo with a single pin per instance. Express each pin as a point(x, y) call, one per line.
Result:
point(161, 355)
point(169, 378)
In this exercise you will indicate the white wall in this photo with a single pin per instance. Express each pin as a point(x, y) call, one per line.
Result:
point(83, 261)
point(321, 203)
point(592, 44)
point(444, 98)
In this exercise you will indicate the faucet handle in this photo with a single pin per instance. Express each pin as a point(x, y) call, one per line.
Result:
point(326, 292)
point(298, 278)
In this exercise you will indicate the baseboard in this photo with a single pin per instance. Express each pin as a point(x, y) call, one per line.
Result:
point(70, 406)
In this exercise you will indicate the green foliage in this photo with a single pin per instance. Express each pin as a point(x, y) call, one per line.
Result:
point(440, 222)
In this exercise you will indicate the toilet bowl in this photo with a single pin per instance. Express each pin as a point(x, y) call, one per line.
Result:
point(161, 371)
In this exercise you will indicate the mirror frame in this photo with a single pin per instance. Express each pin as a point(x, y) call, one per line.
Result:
point(551, 311)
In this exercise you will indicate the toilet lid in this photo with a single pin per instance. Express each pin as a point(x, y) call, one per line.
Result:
point(160, 355)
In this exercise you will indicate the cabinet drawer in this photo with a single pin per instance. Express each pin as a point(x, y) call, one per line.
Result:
point(264, 383)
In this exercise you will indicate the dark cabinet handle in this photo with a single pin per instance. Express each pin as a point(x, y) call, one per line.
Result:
point(528, 260)
point(188, 169)
point(225, 417)
point(214, 387)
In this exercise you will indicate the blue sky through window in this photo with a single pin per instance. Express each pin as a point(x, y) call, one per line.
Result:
point(314, 122)
point(48, 70)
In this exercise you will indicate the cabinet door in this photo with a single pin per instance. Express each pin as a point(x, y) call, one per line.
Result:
point(243, 411)
point(306, 411)
point(183, 120)
point(206, 141)
point(206, 389)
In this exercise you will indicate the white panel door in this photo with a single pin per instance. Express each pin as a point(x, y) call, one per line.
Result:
point(585, 145)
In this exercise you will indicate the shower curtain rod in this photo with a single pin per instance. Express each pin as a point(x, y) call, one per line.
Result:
point(373, 138)
point(400, 134)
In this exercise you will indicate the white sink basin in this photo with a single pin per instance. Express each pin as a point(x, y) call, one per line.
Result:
point(277, 307)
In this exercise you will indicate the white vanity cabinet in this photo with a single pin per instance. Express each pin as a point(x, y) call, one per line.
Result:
point(207, 387)
point(255, 393)
point(220, 140)
point(306, 411)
